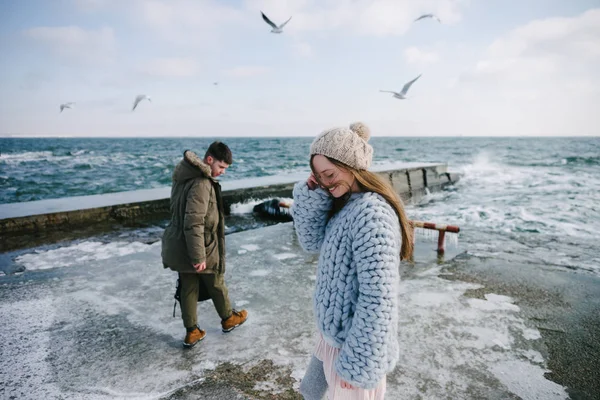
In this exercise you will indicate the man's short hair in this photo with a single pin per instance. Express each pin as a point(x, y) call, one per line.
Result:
point(219, 151)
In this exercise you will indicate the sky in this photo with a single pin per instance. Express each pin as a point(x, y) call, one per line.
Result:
point(490, 68)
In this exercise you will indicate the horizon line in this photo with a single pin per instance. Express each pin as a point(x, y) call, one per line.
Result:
point(287, 136)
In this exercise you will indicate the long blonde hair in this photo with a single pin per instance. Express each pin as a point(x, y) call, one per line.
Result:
point(370, 182)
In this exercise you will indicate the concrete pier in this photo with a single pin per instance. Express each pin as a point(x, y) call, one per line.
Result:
point(410, 180)
point(95, 321)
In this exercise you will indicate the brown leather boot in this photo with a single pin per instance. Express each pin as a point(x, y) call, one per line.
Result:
point(193, 337)
point(236, 319)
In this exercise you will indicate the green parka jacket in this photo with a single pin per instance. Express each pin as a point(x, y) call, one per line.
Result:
point(196, 232)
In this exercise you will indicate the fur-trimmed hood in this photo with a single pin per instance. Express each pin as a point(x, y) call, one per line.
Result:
point(191, 167)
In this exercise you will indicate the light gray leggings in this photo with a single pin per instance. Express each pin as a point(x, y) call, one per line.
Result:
point(314, 385)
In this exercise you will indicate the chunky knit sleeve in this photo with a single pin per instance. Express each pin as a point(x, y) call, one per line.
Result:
point(365, 357)
point(310, 210)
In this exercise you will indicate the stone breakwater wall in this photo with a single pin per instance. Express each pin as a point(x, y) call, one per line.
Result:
point(410, 181)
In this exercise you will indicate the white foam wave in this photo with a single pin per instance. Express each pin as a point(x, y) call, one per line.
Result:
point(13, 158)
point(492, 196)
point(247, 206)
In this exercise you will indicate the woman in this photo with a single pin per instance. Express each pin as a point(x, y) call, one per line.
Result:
point(358, 224)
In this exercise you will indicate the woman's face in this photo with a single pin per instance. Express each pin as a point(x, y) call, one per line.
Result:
point(336, 180)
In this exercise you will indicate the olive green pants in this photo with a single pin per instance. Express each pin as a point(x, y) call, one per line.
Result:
point(214, 284)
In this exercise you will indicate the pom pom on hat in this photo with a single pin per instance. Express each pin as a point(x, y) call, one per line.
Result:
point(361, 130)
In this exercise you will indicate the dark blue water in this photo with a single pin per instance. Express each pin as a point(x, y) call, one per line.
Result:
point(35, 169)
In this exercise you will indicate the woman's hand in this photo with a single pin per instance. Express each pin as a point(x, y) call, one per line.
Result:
point(312, 182)
point(346, 385)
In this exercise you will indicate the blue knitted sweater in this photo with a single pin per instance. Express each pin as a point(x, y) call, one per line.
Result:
point(355, 300)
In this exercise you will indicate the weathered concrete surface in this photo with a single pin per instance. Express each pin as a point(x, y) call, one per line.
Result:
point(563, 305)
point(99, 325)
point(409, 180)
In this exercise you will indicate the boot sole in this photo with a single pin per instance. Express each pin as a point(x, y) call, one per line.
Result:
point(189, 346)
point(233, 327)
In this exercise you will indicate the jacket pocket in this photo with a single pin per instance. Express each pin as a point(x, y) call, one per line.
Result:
point(211, 246)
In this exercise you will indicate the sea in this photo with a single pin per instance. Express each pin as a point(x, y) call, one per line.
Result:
point(535, 198)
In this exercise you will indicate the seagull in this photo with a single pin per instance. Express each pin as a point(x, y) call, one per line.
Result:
point(66, 105)
point(402, 94)
point(138, 99)
point(276, 29)
point(427, 16)
point(216, 83)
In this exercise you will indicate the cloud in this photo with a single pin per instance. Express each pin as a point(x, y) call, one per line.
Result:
point(362, 17)
point(171, 67)
point(77, 44)
point(543, 51)
point(414, 55)
point(246, 71)
point(541, 78)
point(574, 37)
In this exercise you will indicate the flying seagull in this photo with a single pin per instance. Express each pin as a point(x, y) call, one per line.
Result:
point(138, 99)
point(66, 105)
point(402, 94)
point(276, 29)
point(427, 16)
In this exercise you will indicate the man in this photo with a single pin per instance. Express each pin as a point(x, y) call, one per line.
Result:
point(194, 241)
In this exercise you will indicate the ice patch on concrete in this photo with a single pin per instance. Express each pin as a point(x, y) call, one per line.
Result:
point(285, 256)
point(259, 272)
point(453, 346)
point(531, 334)
point(24, 350)
point(525, 380)
point(533, 356)
point(496, 305)
point(80, 253)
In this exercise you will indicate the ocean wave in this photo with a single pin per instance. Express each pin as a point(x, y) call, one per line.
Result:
point(82, 166)
point(247, 206)
point(594, 160)
point(25, 156)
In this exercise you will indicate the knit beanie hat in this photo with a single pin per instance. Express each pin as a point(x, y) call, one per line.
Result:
point(346, 145)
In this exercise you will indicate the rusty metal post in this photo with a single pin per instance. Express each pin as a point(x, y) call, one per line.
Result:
point(441, 240)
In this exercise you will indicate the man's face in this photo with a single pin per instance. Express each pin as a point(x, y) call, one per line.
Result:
point(217, 168)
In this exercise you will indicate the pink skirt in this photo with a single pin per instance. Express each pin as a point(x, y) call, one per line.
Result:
point(328, 354)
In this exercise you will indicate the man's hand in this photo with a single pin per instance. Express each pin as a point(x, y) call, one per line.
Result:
point(346, 385)
point(200, 267)
point(312, 182)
